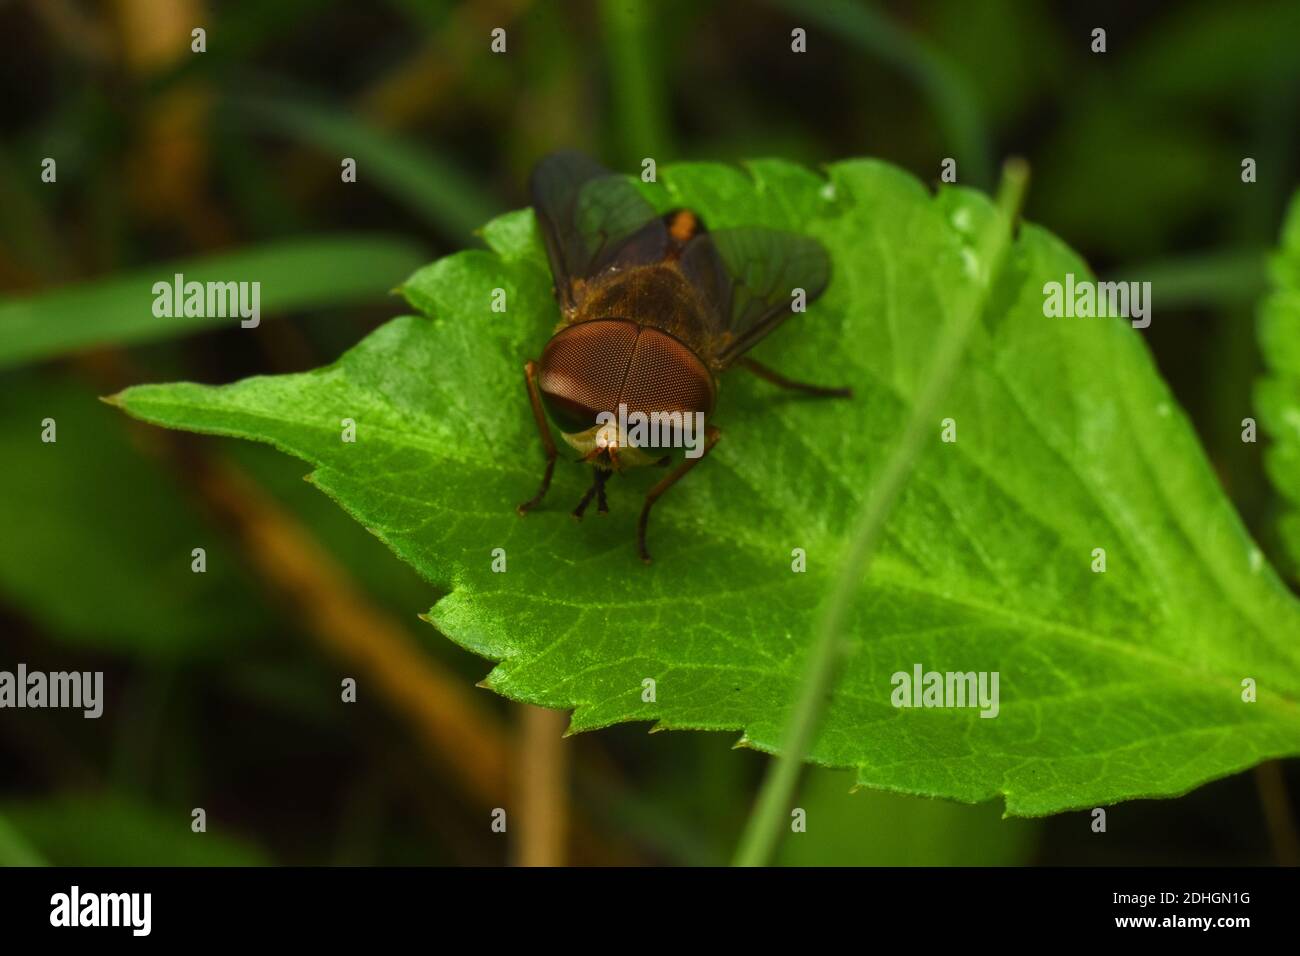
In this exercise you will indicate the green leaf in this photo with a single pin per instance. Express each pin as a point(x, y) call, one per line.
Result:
point(295, 274)
point(1277, 395)
point(1113, 685)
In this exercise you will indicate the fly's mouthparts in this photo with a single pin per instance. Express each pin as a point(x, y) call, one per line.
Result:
point(656, 429)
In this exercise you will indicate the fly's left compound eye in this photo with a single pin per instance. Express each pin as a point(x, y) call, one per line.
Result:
point(666, 377)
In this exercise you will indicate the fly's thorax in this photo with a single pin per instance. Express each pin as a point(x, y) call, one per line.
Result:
point(655, 295)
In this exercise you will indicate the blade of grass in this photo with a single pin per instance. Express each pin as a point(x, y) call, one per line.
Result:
point(769, 814)
point(1231, 277)
point(305, 273)
point(940, 80)
point(435, 189)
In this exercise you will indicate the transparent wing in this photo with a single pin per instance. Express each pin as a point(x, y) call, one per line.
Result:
point(748, 277)
point(591, 219)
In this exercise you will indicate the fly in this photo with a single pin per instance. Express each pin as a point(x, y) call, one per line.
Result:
point(653, 310)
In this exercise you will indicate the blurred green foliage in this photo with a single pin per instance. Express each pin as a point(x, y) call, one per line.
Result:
point(226, 700)
point(99, 538)
point(96, 831)
point(1278, 393)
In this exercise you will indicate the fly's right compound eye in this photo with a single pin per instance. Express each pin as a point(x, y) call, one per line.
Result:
point(582, 371)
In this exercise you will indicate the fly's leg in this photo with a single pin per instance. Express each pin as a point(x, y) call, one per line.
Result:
point(582, 504)
point(544, 430)
point(711, 436)
point(598, 478)
point(776, 378)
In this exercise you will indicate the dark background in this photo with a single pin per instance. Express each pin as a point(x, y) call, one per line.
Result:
point(224, 688)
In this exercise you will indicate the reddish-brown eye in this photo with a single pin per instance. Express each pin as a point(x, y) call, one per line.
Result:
point(666, 376)
point(583, 369)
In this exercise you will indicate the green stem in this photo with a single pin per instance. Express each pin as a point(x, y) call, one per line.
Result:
point(640, 110)
point(770, 812)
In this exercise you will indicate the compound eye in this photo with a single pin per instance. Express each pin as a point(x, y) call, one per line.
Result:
point(582, 371)
point(666, 376)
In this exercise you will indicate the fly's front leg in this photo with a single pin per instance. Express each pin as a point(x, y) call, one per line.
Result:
point(711, 436)
point(598, 478)
point(543, 429)
point(776, 378)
